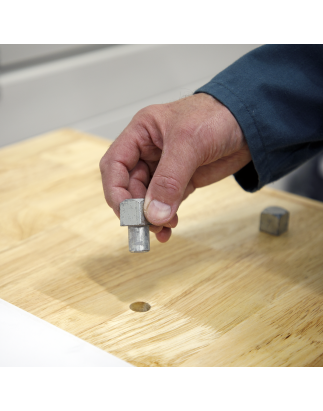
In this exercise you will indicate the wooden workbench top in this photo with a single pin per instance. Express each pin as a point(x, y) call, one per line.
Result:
point(221, 292)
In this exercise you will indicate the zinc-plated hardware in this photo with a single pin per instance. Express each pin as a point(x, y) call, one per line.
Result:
point(132, 215)
point(274, 220)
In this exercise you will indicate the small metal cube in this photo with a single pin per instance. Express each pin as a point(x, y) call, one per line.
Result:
point(132, 212)
point(274, 220)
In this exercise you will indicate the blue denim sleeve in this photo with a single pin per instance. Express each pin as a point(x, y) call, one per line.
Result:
point(275, 93)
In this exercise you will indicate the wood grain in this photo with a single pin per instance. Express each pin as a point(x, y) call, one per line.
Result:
point(221, 292)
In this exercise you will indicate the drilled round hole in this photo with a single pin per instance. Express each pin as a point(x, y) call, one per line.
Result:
point(140, 306)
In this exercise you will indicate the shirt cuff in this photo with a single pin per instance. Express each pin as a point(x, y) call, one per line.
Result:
point(257, 173)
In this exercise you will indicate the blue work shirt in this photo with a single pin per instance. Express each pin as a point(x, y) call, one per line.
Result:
point(275, 92)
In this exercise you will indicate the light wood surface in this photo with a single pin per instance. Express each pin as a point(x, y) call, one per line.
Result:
point(221, 292)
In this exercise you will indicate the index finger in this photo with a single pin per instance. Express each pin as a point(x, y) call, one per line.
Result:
point(115, 166)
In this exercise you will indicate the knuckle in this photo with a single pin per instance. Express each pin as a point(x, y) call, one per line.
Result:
point(106, 158)
point(147, 113)
point(169, 185)
point(101, 165)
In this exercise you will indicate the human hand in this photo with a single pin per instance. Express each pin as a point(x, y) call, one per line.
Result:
point(169, 150)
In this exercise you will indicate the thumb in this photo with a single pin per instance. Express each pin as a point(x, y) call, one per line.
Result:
point(166, 189)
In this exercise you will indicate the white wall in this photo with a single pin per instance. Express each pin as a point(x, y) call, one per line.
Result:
point(98, 90)
point(15, 55)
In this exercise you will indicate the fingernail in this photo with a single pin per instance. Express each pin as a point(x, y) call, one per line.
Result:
point(158, 211)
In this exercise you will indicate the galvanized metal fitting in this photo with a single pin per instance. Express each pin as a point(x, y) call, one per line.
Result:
point(274, 220)
point(132, 215)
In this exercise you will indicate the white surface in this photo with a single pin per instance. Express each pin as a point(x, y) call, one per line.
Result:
point(27, 53)
point(26, 340)
point(55, 94)
point(109, 125)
